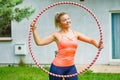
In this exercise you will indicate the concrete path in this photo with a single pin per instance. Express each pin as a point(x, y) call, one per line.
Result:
point(101, 68)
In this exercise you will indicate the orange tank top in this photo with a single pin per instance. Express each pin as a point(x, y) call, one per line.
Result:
point(66, 51)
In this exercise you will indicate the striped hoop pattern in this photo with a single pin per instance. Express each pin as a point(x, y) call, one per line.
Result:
point(100, 40)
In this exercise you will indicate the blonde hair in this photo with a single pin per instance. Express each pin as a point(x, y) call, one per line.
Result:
point(57, 18)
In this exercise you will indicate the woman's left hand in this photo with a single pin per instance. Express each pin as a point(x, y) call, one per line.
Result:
point(101, 45)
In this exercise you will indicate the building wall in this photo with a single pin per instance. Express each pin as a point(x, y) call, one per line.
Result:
point(82, 21)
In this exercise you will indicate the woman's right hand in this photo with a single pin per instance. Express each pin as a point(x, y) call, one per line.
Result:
point(33, 25)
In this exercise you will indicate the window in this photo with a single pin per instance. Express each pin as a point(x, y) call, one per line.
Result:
point(115, 35)
point(5, 29)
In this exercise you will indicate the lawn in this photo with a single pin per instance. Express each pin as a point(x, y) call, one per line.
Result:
point(33, 73)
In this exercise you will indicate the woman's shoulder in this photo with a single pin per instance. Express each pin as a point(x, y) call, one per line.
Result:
point(76, 32)
point(55, 34)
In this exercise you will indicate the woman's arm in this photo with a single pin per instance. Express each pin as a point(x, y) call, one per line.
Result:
point(89, 40)
point(38, 40)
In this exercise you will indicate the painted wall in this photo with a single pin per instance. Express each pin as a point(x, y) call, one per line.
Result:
point(82, 21)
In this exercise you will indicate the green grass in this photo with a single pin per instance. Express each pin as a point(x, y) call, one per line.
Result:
point(99, 76)
point(22, 73)
point(32, 73)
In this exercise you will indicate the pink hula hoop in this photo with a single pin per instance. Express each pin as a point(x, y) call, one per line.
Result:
point(100, 31)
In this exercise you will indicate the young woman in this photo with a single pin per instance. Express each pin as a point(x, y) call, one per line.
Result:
point(66, 40)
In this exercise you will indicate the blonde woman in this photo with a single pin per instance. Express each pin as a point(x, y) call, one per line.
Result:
point(67, 42)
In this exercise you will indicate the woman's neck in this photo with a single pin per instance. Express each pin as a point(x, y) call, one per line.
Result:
point(66, 30)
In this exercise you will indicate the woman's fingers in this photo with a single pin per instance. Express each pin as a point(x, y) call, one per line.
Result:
point(101, 45)
point(33, 25)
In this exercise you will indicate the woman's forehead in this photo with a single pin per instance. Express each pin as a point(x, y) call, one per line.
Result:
point(64, 16)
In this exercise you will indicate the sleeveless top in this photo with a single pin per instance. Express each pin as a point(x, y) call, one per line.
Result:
point(66, 51)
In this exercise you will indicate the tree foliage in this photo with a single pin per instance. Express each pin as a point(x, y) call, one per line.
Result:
point(9, 11)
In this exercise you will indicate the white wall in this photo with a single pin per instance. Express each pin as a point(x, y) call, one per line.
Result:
point(81, 21)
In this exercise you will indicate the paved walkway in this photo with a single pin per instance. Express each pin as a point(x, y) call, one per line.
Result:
point(101, 68)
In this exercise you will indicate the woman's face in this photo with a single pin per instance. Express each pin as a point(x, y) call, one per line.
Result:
point(65, 21)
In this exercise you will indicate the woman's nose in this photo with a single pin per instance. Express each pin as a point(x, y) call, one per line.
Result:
point(69, 21)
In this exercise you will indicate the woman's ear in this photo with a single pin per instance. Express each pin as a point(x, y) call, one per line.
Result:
point(59, 24)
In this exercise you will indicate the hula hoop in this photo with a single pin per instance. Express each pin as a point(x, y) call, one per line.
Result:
point(100, 40)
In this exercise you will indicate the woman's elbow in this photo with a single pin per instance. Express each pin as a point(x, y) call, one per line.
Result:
point(39, 44)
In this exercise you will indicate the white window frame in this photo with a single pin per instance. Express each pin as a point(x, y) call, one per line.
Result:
point(112, 61)
point(6, 39)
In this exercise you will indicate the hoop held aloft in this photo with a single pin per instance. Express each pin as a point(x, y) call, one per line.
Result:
point(43, 11)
